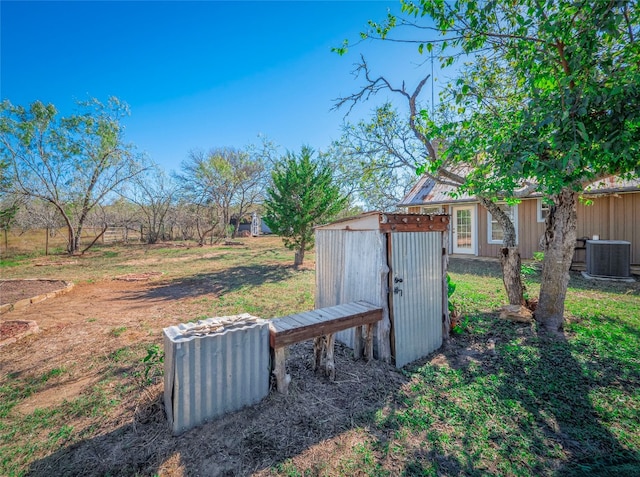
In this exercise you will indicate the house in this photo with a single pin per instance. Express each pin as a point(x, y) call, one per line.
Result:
point(613, 214)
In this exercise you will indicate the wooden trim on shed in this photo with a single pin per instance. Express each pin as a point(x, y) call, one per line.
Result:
point(413, 223)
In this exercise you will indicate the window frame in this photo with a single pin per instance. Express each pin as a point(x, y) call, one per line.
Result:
point(540, 206)
point(514, 217)
point(437, 209)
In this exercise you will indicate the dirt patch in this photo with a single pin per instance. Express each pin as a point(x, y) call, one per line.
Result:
point(13, 291)
point(55, 395)
point(11, 331)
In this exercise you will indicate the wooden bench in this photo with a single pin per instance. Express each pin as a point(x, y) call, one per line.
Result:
point(321, 324)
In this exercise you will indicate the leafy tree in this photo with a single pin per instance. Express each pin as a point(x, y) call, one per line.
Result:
point(302, 195)
point(549, 94)
point(72, 162)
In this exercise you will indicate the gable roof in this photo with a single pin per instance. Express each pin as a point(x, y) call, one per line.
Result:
point(429, 192)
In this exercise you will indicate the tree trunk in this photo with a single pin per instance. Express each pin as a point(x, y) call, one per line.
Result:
point(509, 254)
point(299, 257)
point(559, 244)
point(511, 274)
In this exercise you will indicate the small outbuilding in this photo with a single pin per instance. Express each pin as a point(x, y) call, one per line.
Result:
point(397, 262)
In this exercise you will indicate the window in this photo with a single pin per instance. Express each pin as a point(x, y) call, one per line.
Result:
point(431, 210)
point(495, 234)
point(543, 210)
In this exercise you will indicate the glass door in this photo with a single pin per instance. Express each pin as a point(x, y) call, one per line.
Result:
point(463, 230)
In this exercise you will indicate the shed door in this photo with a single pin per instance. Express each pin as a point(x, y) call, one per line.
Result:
point(416, 294)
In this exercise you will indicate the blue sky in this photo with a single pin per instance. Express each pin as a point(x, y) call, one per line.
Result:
point(198, 74)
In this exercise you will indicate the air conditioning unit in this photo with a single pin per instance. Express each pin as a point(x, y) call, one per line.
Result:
point(609, 258)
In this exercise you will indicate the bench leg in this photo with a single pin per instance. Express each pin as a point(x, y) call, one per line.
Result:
point(357, 342)
point(368, 349)
point(280, 371)
point(330, 365)
point(318, 351)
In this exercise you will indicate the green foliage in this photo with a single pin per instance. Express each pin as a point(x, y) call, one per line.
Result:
point(552, 94)
point(302, 195)
point(451, 288)
point(375, 160)
point(116, 332)
point(70, 162)
point(222, 182)
point(153, 362)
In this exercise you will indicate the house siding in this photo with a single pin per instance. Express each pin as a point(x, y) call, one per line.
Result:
point(529, 231)
point(611, 216)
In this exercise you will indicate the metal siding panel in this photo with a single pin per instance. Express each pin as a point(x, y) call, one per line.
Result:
point(362, 278)
point(417, 259)
point(210, 375)
point(329, 267)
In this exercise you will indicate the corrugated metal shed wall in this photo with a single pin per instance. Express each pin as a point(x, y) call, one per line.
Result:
point(351, 266)
point(207, 376)
point(417, 306)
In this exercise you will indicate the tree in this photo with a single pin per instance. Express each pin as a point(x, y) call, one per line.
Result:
point(390, 137)
point(124, 214)
point(376, 160)
point(72, 162)
point(230, 179)
point(302, 194)
point(153, 193)
point(550, 95)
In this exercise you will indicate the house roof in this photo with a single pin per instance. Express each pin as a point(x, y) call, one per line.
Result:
point(429, 192)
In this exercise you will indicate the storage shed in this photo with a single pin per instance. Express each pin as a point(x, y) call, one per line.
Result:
point(395, 261)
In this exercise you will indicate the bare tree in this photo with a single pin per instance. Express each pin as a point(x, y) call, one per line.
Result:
point(228, 179)
point(440, 169)
point(153, 192)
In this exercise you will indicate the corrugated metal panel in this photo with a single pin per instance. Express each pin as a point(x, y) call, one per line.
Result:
point(417, 304)
point(351, 266)
point(364, 267)
point(330, 248)
point(210, 373)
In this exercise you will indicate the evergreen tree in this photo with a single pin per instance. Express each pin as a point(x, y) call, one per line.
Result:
point(301, 196)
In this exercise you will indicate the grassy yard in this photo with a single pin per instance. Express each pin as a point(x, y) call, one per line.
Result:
point(499, 399)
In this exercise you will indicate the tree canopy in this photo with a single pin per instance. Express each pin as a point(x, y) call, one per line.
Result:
point(71, 162)
point(546, 94)
point(302, 195)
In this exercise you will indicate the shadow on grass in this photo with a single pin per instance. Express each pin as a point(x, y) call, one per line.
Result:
point(491, 268)
point(529, 403)
point(219, 282)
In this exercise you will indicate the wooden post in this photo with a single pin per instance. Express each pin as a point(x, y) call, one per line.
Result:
point(330, 365)
point(368, 347)
point(46, 242)
point(318, 351)
point(357, 342)
point(280, 370)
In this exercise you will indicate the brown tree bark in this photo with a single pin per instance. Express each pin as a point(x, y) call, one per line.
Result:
point(558, 244)
point(511, 274)
point(299, 257)
point(509, 254)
